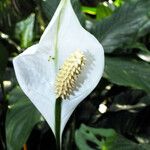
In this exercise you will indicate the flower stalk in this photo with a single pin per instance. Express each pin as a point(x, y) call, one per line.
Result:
point(58, 122)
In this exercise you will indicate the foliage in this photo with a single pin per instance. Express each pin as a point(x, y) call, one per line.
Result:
point(123, 28)
point(22, 116)
point(105, 139)
point(128, 23)
point(130, 72)
point(24, 31)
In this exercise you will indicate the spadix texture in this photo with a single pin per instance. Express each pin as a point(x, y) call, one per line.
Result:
point(68, 74)
point(36, 74)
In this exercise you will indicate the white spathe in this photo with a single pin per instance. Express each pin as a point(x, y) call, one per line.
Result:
point(36, 75)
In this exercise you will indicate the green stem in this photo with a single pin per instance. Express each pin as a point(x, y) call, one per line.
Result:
point(58, 122)
point(4, 106)
point(3, 91)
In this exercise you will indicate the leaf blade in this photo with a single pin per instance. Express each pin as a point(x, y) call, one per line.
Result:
point(21, 118)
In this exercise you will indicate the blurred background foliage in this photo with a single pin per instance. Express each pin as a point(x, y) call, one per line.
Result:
point(115, 116)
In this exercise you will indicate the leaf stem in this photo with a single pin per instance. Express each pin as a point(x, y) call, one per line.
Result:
point(58, 122)
point(3, 91)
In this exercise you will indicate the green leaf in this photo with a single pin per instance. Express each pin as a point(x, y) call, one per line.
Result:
point(139, 46)
point(129, 22)
point(128, 72)
point(143, 52)
point(25, 31)
point(3, 60)
point(87, 134)
point(105, 139)
point(129, 100)
point(89, 10)
point(122, 143)
point(49, 7)
point(103, 12)
point(11, 11)
point(78, 10)
point(21, 117)
point(118, 2)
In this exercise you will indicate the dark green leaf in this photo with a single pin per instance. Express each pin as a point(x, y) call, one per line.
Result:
point(21, 117)
point(133, 106)
point(78, 10)
point(128, 72)
point(130, 21)
point(122, 143)
point(12, 11)
point(130, 100)
point(139, 46)
point(49, 7)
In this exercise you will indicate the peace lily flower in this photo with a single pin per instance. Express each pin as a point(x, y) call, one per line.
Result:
point(66, 64)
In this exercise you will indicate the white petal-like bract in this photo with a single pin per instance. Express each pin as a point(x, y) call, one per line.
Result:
point(36, 74)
